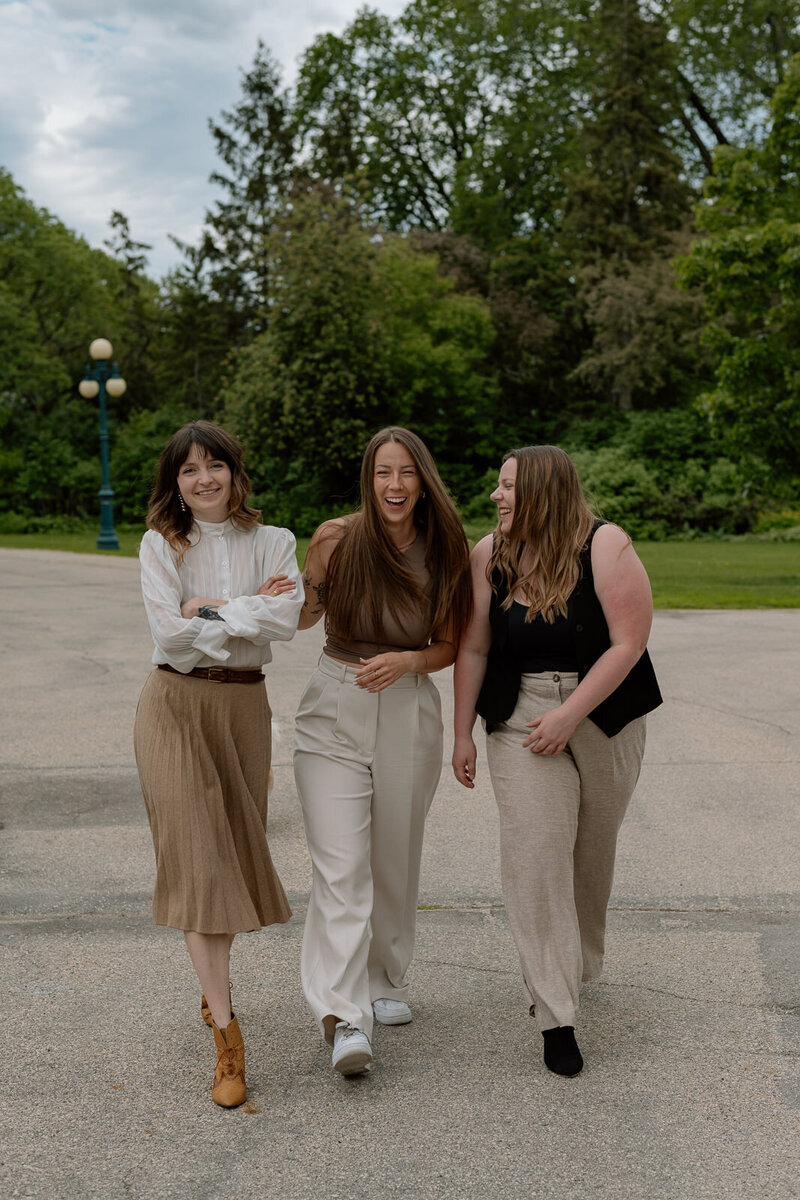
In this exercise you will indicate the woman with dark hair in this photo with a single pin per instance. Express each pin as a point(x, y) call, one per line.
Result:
point(219, 587)
point(555, 661)
point(393, 582)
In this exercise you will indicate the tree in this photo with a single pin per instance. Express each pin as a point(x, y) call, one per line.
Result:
point(135, 298)
point(629, 193)
point(55, 294)
point(645, 348)
point(748, 269)
point(363, 332)
point(306, 392)
point(625, 206)
point(256, 142)
point(196, 338)
point(732, 54)
point(454, 115)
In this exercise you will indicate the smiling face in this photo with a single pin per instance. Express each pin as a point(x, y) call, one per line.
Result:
point(503, 495)
point(205, 484)
point(397, 486)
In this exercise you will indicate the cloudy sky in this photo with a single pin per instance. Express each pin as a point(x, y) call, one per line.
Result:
point(106, 106)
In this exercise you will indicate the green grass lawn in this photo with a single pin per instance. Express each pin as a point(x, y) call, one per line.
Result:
point(78, 543)
point(86, 542)
point(735, 574)
point(741, 573)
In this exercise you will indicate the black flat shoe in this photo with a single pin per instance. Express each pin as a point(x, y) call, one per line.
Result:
point(561, 1053)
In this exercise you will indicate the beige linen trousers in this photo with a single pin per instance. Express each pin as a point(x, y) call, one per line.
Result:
point(559, 820)
point(366, 767)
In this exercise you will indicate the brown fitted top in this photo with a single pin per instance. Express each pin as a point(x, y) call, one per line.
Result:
point(412, 634)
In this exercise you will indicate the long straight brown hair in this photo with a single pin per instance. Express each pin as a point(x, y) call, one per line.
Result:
point(366, 571)
point(165, 513)
point(551, 526)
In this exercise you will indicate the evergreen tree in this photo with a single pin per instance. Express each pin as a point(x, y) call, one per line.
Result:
point(197, 336)
point(136, 297)
point(629, 192)
point(255, 141)
point(626, 204)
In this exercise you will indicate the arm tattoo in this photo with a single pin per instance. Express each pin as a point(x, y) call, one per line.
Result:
point(319, 588)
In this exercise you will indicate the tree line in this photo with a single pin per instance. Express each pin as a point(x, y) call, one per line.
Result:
point(497, 222)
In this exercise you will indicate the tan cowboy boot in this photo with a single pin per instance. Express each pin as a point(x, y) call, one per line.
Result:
point(205, 1008)
point(229, 1089)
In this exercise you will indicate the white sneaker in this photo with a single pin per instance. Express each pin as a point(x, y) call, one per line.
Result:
point(391, 1012)
point(352, 1052)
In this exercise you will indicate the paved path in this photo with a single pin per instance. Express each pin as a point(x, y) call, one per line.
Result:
point(690, 1040)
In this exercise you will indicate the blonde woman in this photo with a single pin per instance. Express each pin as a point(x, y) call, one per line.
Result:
point(219, 587)
point(555, 661)
point(393, 583)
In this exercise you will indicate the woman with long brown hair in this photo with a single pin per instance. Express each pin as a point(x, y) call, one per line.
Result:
point(555, 662)
point(393, 583)
point(219, 587)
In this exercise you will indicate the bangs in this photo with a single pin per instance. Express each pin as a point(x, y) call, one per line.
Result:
point(207, 439)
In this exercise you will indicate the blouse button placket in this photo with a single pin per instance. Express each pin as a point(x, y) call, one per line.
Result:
point(226, 591)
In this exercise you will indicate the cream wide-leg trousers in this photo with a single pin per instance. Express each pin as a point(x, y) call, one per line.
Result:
point(559, 820)
point(366, 766)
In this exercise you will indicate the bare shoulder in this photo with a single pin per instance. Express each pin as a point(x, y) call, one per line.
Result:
point(616, 565)
point(479, 563)
point(326, 537)
point(329, 531)
point(609, 543)
point(482, 551)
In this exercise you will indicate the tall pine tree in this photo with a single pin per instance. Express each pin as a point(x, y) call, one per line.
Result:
point(628, 193)
point(255, 141)
point(627, 203)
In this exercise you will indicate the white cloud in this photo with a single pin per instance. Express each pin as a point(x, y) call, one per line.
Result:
point(106, 106)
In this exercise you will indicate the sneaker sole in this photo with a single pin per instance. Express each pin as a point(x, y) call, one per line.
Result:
point(393, 1020)
point(353, 1063)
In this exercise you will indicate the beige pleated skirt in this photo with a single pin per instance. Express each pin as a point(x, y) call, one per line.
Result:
point(203, 752)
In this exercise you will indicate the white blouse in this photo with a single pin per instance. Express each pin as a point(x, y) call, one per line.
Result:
point(229, 565)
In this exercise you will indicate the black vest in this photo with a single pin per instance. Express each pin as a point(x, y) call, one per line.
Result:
point(636, 695)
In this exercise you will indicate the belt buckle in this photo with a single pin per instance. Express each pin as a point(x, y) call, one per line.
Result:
point(218, 674)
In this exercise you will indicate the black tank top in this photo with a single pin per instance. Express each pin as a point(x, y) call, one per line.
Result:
point(539, 646)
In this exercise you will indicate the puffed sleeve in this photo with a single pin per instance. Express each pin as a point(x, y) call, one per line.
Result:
point(261, 619)
point(183, 642)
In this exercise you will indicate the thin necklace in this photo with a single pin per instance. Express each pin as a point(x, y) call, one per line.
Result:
point(402, 549)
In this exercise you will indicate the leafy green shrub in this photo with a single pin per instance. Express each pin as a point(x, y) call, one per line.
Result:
point(714, 498)
point(623, 490)
point(784, 518)
point(11, 522)
point(480, 508)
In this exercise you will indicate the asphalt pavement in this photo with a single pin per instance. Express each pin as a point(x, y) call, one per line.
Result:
point(690, 1088)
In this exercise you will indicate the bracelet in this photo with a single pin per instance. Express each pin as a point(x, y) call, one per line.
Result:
point(209, 613)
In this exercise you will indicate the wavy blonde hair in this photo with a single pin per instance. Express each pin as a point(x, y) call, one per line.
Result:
point(540, 556)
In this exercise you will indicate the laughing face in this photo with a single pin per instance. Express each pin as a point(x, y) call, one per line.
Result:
point(205, 484)
point(503, 495)
point(397, 488)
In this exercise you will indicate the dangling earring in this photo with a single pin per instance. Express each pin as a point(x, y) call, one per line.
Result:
point(422, 495)
point(180, 501)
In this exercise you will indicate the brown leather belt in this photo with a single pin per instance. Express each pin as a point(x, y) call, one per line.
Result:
point(218, 674)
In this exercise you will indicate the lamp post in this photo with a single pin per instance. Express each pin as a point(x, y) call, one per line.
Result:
point(103, 378)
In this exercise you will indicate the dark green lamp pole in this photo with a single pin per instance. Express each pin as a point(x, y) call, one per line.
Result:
point(97, 381)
